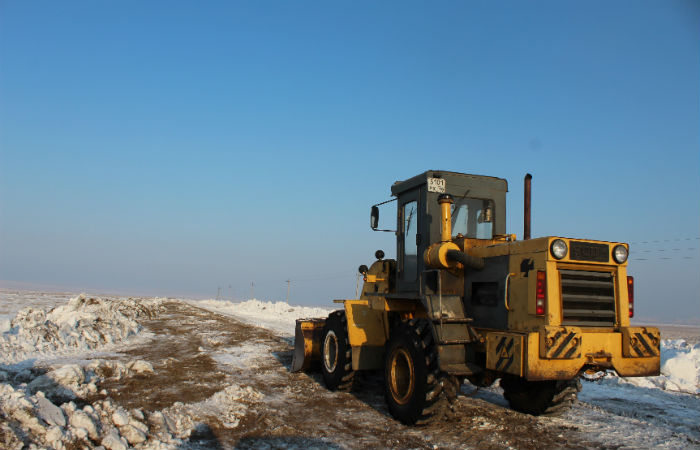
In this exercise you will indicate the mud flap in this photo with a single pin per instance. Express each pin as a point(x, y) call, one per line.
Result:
point(307, 343)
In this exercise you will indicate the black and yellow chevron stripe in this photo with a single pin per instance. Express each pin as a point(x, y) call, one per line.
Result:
point(562, 343)
point(505, 354)
point(644, 344)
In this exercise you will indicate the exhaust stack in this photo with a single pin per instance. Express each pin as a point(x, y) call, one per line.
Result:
point(528, 187)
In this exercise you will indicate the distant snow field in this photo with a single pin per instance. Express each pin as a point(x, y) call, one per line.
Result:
point(50, 355)
point(279, 317)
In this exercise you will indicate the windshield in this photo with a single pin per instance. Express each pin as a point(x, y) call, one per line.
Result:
point(473, 218)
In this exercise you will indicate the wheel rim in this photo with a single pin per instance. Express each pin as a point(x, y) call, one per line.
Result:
point(401, 376)
point(330, 351)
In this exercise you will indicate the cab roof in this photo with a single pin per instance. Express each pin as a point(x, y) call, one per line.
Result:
point(451, 178)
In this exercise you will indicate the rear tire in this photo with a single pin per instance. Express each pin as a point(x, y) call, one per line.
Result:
point(415, 389)
point(336, 353)
point(540, 397)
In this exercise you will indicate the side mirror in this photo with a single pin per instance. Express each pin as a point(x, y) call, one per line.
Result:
point(374, 218)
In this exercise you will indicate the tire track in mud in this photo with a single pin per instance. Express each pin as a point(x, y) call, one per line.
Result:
point(197, 353)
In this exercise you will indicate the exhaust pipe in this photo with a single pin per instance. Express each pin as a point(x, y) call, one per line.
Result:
point(528, 188)
point(445, 254)
point(445, 201)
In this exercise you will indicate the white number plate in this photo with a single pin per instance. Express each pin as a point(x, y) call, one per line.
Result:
point(436, 185)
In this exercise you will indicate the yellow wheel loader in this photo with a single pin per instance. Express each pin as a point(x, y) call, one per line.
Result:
point(465, 300)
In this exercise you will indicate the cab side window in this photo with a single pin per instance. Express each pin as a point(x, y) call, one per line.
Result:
point(410, 247)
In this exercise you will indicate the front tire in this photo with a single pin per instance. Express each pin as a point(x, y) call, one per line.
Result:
point(336, 353)
point(415, 389)
point(540, 397)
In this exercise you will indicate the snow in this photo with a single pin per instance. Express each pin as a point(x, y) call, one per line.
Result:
point(247, 355)
point(103, 422)
point(680, 370)
point(279, 317)
point(34, 380)
point(112, 441)
point(42, 374)
point(84, 323)
point(13, 301)
point(662, 414)
point(49, 413)
point(228, 405)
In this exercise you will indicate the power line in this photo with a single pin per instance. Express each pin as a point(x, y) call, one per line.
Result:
point(659, 241)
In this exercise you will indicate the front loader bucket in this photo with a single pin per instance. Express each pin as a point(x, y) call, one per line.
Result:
point(307, 343)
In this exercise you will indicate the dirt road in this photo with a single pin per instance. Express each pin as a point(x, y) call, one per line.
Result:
point(197, 353)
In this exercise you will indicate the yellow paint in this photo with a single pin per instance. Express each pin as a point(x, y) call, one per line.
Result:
point(504, 352)
point(435, 256)
point(307, 343)
point(365, 325)
point(446, 219)
point(602, 350)
point(522, 284)
point(373, 278)
point(640, 341)
point(560, 342)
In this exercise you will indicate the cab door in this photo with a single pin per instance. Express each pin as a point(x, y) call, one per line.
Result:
point(407, 241)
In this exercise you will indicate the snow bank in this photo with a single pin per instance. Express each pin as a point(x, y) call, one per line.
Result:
point(44, 424)
point(36, 421)
point(84, 323)
point(279, 317)
point(41, 411)
point(12, 301)
point(680, 369)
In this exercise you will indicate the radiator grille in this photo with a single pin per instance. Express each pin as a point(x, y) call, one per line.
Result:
point(588, 298)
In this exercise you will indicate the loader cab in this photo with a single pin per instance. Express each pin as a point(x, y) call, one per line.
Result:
point(478, 213)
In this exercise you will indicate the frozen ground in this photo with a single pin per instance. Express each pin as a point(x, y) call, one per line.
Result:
point(157, 373)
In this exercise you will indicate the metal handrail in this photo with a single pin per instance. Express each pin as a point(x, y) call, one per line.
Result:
point(505, 296)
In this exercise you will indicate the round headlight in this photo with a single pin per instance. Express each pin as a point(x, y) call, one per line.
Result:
point(620, 254)
point(559, 248)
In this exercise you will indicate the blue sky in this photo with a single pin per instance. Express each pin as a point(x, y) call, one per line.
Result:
point(174, 147)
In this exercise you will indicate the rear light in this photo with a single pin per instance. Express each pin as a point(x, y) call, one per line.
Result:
point(541, 292)
point(630, 295)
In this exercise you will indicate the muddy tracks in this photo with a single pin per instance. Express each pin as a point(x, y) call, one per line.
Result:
point(197, 353)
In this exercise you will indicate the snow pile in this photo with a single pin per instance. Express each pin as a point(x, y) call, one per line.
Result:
point(67, 382)
point(34, 419)
point(64, 383)
point(42, 411)
point(680, 369)
point(279, 317)
point(228, 405)
point(680, 364)
point(12, 301)
point(84, 323)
